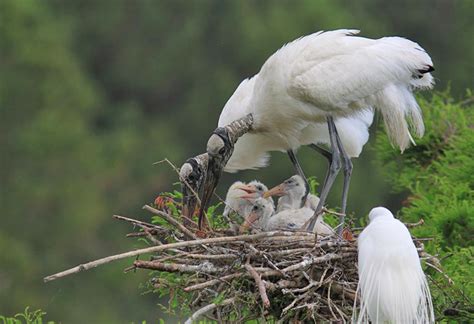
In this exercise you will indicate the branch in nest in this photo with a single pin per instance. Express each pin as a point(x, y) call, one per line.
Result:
point(171, 220)
point(240, 239)
point(208, 308)
point(315, 260)
point(205, 267)
point(260, 285)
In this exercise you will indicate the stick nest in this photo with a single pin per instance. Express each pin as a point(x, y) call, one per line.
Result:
point(229, 277)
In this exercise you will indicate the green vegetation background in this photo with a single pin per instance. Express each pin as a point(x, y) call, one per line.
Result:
point(93, 92)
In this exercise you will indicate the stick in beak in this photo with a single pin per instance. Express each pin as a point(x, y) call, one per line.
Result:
point(275, 191)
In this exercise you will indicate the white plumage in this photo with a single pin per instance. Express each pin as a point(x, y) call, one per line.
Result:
point(262, 216)
point(329, 74)
point(392, 285)
point(289, 215)
point(240, 197)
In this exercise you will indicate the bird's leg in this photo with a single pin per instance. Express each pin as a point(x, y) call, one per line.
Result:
point(300, 172)
point(334, 168)
point(347, 167)
point(327, 155)
point(322, 151)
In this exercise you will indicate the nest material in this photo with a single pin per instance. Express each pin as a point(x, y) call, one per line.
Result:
point(279, 275)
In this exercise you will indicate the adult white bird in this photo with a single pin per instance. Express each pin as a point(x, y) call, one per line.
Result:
point(320, 78)
point(262, 216)
point(392, 285)
point(241, 196)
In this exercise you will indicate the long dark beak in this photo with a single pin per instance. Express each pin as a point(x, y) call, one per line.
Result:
point(190, 203)
point(213, 174)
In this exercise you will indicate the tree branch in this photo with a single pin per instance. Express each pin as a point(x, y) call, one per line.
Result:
point(208, 308)
point(240, 239)
point(260, 285)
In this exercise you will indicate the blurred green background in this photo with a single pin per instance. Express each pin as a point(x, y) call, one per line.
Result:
point(93, 92)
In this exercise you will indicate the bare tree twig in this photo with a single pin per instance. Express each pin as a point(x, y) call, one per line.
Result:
point(260, 285)
point(171, 220)
point(315, 260)
point(240, 239)
point(411, 225)
point(176, 267)
point(208, 308)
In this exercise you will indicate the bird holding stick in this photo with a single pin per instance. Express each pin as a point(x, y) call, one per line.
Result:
point(321, 78)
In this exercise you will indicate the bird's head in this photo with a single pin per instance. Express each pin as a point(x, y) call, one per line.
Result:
point(294, 186)
point(219, 149)
point(379, 212)
point(191, 176)
point(261, 210)
point(254, 190)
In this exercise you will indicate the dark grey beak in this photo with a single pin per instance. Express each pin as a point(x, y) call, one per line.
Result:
point(217, 162)
point(190, 204)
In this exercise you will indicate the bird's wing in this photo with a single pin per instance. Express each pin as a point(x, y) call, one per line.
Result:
point(237, 105)
point(339, 73)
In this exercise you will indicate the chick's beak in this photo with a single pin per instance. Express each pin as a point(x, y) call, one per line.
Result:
point(275, 191)
point(249, 221)
point(250, 191)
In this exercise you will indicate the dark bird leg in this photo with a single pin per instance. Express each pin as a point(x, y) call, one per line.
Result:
point(334, 168)
point(328, 156)
point(300, 172)
point(347, 168)
point(322, 151)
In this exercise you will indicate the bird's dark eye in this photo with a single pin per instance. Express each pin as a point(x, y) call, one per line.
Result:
point(259, 188)
point(255, 207)
point(222, 150)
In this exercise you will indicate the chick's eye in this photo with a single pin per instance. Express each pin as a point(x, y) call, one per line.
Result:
point(259, 188)
point(255, 207)
point(222, 150)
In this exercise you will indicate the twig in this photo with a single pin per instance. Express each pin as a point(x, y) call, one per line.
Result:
point(325, 210)
point(208, 308)
point(137, 222)
point(177, 267)
point(181, 180)
point(260, 285)
point(411, 225)
point(212, 282)
point(315, 260)
point(215, 240)
point(171, 220)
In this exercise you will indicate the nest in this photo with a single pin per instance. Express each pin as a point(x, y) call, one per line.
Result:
point(277, 275)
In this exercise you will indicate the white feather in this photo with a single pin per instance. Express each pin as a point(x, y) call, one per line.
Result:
point(392, 285)
point(329, 73)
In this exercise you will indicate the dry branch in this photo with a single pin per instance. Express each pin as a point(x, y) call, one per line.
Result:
point(260, 285)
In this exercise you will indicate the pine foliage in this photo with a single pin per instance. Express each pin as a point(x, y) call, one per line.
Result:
point(439, 176)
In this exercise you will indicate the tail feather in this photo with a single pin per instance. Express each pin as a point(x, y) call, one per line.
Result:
point(401, 114)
